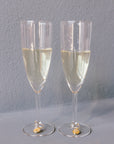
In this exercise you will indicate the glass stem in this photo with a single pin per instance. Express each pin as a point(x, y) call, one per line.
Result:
point(37, 102)
point(75, 106)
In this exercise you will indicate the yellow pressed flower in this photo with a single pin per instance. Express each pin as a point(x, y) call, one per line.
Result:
point(76, 131)
point(36, 130)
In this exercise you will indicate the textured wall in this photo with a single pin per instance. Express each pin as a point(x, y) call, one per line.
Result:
point(15, 92)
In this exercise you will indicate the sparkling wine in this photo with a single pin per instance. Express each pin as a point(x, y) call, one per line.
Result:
point(37, 63)
point(75, 65)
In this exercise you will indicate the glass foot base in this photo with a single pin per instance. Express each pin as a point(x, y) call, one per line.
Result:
point(46, 129)
point(67, 130)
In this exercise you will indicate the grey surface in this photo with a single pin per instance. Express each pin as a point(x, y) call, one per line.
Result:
point(15, 92)
point(99, 115)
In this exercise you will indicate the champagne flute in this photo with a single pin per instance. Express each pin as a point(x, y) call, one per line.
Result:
point(75, 61)
point(37, 62)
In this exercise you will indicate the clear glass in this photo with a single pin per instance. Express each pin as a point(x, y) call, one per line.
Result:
point(75, 60)
point(37, 62)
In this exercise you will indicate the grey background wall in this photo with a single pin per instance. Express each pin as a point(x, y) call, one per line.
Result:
point(15, 92)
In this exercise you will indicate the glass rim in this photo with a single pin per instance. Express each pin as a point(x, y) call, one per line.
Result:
point(44, 22)
point(74, 21)
point(33, 21)
point(27, 21)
